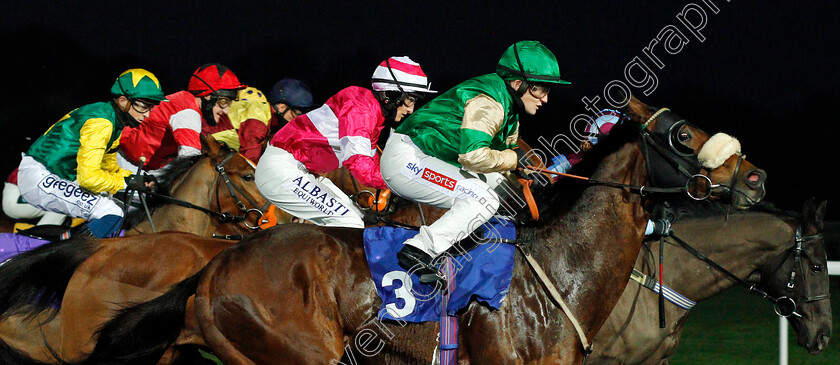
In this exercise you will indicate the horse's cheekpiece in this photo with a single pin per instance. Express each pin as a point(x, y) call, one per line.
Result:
point(483, 273)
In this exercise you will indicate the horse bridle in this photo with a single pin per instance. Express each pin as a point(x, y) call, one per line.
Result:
point(670, 154)
point(682, 160)
point(797, 252)
point(232, 189)
point(784, 306)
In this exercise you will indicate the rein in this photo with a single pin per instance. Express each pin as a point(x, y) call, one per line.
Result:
point(784, 305)
point(642, 190)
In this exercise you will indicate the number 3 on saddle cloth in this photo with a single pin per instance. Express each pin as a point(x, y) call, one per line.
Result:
point(484, 274)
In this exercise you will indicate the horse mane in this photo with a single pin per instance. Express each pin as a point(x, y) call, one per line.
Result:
point(689, 208)
point(173, 170)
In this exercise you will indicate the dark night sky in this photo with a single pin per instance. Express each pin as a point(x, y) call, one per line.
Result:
point(767, 72)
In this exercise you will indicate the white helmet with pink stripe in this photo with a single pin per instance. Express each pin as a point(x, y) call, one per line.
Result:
point(400, 74)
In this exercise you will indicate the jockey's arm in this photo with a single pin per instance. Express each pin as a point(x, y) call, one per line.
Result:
point(186, 128)
point(142, 140)
point(252, 134)
point(483, 117)
point(358, 134)
point(94, 170)
point(366, 170)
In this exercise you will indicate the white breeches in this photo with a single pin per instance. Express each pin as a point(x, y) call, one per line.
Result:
point(287, 183)
point(49, 192)
point(470, 197)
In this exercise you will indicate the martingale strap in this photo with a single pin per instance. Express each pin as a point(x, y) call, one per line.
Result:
point(670, 294)
point(558, 298)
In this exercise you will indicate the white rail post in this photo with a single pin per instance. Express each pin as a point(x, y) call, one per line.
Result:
point(783, 343)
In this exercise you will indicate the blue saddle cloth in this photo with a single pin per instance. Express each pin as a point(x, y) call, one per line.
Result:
point(484, 274)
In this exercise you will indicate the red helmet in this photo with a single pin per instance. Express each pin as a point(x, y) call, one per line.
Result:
point(213, 78)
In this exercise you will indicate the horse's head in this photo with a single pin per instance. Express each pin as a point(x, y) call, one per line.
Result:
point(675, 150)
point(799, 277)
point(235, 194)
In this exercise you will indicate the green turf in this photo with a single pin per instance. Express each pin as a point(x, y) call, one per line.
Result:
point(735, 327)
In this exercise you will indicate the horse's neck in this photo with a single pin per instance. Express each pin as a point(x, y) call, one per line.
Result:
point(741, 244)
point(195, 187)
point(589, 252)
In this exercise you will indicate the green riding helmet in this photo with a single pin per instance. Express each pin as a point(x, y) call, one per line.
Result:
point(138, 83)
point(529, 60)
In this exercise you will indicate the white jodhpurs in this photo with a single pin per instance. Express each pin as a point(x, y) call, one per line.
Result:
point(49, 192)
point(470, 197)
point(287, 183)
point(22, 210)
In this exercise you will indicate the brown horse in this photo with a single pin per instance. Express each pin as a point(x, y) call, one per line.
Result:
point(197, 182)
point(300, 293)
point(137, 269)
point(755, 246)
point(221, 182)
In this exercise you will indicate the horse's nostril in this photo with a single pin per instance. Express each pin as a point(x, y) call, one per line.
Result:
point(755, 177)
point(823, 341)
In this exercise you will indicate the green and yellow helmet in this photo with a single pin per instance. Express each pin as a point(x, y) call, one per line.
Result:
point(137, 83)
point(531, 61)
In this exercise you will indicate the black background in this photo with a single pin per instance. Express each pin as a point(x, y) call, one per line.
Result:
point(766, 73)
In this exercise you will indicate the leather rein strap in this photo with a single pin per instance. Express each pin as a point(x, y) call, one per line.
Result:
point(641, 190)
point(557, 297)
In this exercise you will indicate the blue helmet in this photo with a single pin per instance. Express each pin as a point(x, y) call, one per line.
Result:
point(293, 92)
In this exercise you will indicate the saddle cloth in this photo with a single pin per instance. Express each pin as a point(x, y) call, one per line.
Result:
point(12, 244)
point(483, 274)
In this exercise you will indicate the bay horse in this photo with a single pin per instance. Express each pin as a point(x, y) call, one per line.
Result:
point(758, 247)
point(220, 182)
point(99, 287)
point(302, 294)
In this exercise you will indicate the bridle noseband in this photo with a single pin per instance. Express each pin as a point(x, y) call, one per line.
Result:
point(681, 160)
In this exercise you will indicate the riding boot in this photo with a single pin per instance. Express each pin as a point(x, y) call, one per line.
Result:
point(421, 264)
point(466, 244)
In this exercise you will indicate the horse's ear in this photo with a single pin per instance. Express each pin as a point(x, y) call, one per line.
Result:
point(210, 146)
point(821, 215)
point(812, 215)
point(637, 111)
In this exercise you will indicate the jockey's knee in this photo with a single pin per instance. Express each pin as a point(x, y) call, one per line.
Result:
point(485, 205)
point(106, 226)
point(105, 208)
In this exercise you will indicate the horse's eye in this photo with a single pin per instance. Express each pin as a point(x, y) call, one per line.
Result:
point(816, 268)
point(249, 177)
point(684, 137)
